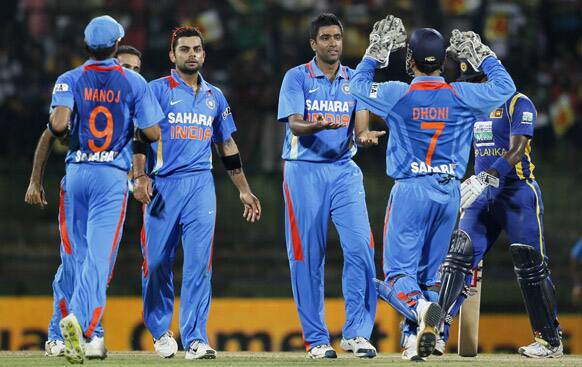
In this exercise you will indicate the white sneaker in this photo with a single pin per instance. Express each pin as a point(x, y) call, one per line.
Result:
point(439, 348)
point(54, 348)
point(429, 316)
point(322, 351)
point(200, 350)
point(360, 346)
point(73, 338)
point(166, 345)
point(538, 350)
point(95, 348)
point(409, 353)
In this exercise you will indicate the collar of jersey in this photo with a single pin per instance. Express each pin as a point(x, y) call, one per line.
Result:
point(319, 74)
point(106, 62)
point(203, 85)
point(420, 79)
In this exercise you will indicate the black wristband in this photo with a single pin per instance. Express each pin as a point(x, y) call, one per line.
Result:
point(232, 162)
point(140, 147)
point(56, 134)
point(141, 136)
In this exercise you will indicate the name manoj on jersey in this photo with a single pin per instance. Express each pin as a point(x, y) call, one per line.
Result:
point(101, 95)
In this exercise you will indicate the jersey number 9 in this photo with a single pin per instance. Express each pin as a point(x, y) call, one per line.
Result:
point(106, 133)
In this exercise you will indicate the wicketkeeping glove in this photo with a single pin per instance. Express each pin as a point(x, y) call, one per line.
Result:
point(468, 45)
point(472, 187)
point(388, 35)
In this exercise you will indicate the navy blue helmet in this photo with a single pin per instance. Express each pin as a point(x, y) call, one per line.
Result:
point(427, 47)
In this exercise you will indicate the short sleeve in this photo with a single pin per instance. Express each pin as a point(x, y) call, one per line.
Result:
point(223, 125)
point(291, 95)
point(63, 92)
point(147, 108)
point(523, 116)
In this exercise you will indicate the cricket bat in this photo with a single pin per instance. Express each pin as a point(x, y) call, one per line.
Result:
point(469, 316)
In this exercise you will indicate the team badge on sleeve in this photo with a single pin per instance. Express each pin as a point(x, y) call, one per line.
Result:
point(374, 90)
point(527, 118)
point(225, 113)
point(61, 87)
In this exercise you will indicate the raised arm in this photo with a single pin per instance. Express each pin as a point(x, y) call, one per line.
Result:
point(229, 153)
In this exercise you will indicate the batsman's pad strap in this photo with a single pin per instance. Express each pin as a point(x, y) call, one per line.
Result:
point(56, 134)
point(232, 162)
point(456, 267)
point(140, 147)
point(538, 293)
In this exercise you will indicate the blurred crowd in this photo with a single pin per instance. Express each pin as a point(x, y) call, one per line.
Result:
point(251, 43)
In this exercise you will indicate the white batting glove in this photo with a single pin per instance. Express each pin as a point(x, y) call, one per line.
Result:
point(468, 45)
point(472, 187)
point(388, 35)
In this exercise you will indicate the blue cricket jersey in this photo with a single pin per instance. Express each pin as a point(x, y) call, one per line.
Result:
point(492, 134)
point(308, 92)
point(192, 121)
point(105, 100)
point(430, 121)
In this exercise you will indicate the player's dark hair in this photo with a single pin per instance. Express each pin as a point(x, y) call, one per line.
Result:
point(428, 69)
point(128, 50)
point(323, 20)
point(187, 31)
point(101, 53)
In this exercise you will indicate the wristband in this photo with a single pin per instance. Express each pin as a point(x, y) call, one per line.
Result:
point(502, 166)
point(141, 136)
point(56, 134)
point(232, 162)
point(140, 147)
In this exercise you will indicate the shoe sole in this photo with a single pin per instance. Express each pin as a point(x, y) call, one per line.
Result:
point(362, 353)
point(525, 354)
point(205, 356)
point(328, 355)
point(426, 338)
point(71, 331)
point(95, 356)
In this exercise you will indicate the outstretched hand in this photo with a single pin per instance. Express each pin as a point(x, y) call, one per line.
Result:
point(388, 35)
point(369, 138)
point(468, 45)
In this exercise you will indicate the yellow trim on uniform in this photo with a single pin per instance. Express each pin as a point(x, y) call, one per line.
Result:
point(519, 165)
point(294, 147)
point(159, 158)
point(538, 210)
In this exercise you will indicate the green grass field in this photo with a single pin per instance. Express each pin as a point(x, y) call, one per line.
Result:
point(37, 359)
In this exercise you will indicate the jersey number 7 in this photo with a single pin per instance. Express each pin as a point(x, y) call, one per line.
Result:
point(438, 126)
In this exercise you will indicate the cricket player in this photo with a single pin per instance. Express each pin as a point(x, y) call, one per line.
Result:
point(321, 181)
point(95, 105)
point(177, 190)
point(129, 57)
point(430, 124)
point(502, 144)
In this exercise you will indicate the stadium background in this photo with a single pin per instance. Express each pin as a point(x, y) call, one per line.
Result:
point(250, 44)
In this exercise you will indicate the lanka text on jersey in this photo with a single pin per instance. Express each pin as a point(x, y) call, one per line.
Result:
point(492, 134)
point(307, 91)
point(430, 121)
point(105, 100)
point(192, 121)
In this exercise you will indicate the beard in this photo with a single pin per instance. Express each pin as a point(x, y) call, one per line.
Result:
point(189, 69)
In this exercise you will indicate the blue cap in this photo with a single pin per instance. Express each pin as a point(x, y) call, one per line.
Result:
point(428, 47)
point(103, 32)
